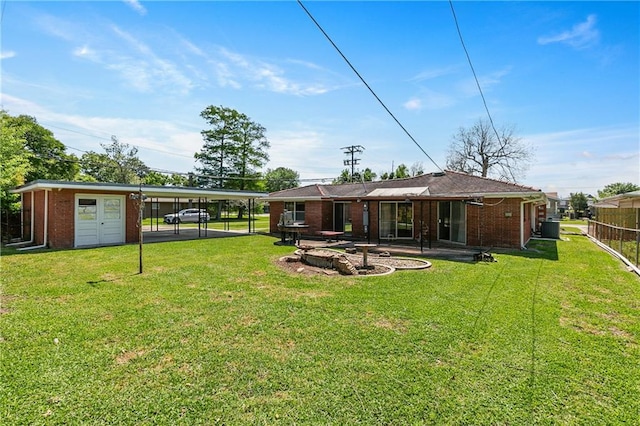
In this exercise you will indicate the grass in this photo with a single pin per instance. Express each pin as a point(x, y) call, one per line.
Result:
point(260, 223)
point(220, 335)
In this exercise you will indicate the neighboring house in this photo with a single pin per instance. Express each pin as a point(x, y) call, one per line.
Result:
point(553, 208)
point(78, 214)
point(445, 206)
point(622, 210)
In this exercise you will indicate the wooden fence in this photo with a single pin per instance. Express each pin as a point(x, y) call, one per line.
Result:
point(625, 241)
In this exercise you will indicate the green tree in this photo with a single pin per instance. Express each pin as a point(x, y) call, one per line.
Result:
point(15, 164)
point(345, 177)
point(617, 188)
point(29, 152)
point(579, 203)
point(234, 149)
point(251, 155)
point(119, 164)
point(484, 151)
point(49, 159)
point(367, 175)
point(400, 172)
point(165, 179)
point(281, 178)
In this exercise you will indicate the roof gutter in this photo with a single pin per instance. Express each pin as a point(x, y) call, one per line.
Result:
point(151, 191)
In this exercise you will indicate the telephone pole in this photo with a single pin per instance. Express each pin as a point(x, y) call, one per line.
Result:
point(350, 151)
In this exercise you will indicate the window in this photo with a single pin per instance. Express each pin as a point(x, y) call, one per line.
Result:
point(112, 208)
point(87, 209)
point(297, 208)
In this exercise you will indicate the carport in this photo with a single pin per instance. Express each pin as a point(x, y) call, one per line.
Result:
point(61, 214)
point(159, 202)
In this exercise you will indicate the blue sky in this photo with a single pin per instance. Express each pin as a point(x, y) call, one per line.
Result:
point(564, 74)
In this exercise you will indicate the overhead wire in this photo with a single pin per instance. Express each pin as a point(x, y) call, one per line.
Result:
point(473, 71)
point(454, 182)
point(368, 86)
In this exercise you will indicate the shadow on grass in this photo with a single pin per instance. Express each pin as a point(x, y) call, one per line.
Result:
point(539, 249)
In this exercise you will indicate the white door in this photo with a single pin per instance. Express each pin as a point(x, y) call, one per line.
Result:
point(99, 219)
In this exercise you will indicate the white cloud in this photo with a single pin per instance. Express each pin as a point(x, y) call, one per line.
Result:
point(413, 104)
point(7, 54)
point(580, 36)
point(162, 144)
point(296, 149)
point(233, 68)
point(469, 87)
point(145, 71)
point(86, 52)
point(584, 160)
point(60, 28)
point(135, 5)
point(433, 73)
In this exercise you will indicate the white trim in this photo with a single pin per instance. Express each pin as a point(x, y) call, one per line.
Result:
point(150, 191)
point(98, 197)
point(395, 219)
point(46, 223)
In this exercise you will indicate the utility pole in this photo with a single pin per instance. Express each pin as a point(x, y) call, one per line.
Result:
point(350, 151)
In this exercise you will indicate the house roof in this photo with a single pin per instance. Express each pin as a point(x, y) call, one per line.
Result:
point(628, 200)
point(148, 190)
point(431, 185)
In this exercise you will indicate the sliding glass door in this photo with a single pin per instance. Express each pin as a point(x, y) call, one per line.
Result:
point(396, 220)
point(452, 221)
point(342, 218)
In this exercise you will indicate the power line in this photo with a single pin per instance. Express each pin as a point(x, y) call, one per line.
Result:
point(473, 71)
point(109, 139)
point(367, 86)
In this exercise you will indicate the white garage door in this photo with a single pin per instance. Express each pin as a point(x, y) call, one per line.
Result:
point(99, 220)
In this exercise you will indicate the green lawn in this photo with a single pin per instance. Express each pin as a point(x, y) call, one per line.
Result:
point(214, 332)
point(260, 223)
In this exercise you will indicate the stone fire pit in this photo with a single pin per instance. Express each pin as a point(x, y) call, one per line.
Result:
point(328, 259)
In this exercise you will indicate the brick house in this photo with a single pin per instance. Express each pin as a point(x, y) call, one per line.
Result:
point(449, 207)
point(78, 214)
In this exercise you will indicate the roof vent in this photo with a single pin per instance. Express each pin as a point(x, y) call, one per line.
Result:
point(438, 174)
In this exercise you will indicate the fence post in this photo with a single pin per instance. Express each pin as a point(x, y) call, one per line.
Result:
point(637, 247)
point(621, 238)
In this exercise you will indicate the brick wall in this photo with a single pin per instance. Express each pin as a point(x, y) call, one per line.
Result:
point(316, 215)
point(131, 221)
point(276, 208)
point(496, 224)
point(61, 217)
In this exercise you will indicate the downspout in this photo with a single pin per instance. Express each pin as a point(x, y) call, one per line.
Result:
point(46, 223)
point(522, 203)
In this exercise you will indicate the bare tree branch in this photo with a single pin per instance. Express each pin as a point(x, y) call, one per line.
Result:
point(478, 150)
